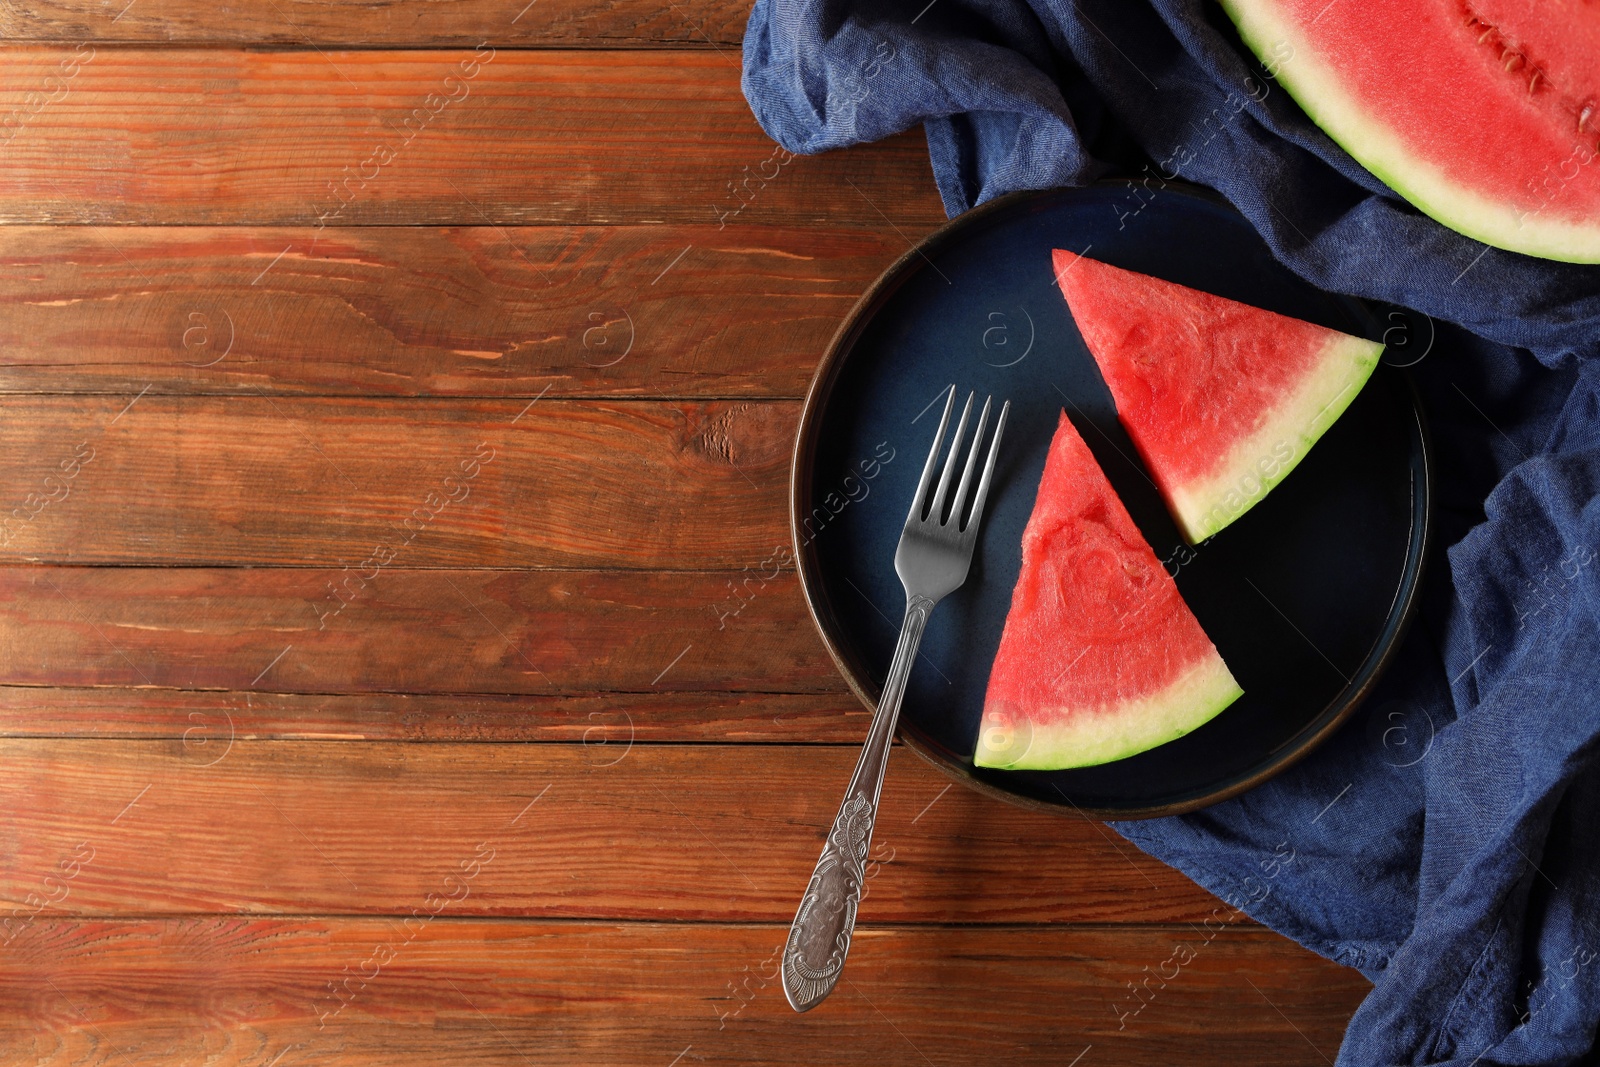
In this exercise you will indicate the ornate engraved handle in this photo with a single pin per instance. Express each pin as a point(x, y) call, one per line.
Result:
point(819, 940)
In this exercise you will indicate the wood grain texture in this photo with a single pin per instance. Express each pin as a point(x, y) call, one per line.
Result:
point(440, 631)
point(408, 24)
point(238, 991)
point(212, 823)
point(326, 482)
point(302, 139)
point(594, 719)
point(669, 310)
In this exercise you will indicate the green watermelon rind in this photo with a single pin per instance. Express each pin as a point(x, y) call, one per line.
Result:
point(1087, 737)
point(1317, 89)
point(1268, 454)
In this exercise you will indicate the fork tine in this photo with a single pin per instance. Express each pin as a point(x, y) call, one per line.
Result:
point(972, 461)
point(988, 469)
point(933, 455)
point(936, 514)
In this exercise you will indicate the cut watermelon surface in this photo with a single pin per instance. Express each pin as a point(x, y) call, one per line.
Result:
point(1100, 657)
point(1221, 399)
point(1484, 114)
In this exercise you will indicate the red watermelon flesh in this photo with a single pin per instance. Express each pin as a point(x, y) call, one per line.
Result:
point(1100, 657)
point(1484, 114)
point(1221, 399)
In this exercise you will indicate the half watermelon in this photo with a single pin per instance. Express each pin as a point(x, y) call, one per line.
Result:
point(1221, 399)
point(1484, 114)
point(1100, 657)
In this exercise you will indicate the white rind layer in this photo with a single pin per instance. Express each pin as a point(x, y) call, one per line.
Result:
point(1266, 456)
point(1320, 92)
point(1089, 736)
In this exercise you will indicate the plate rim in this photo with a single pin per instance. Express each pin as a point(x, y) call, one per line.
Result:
point(806, 567)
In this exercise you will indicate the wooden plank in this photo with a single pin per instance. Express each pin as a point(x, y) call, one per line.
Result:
point(596, 719)
point(318, 140)
point(429, 23)
point(206, 824)
point(436, 631)
point(670, 310)
point(375, 485)
point(242, 991)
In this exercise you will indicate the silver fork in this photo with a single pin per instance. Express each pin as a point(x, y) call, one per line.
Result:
point(933, 558)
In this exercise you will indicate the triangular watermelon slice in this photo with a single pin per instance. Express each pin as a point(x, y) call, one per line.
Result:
point(1100, 657)
point(1221, 399)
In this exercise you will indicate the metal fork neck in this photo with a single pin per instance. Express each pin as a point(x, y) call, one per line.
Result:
point(875, 753)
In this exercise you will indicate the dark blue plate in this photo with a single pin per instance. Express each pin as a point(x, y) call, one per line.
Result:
point(1305, 596)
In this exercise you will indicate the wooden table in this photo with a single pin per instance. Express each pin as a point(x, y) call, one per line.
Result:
point(393, 393)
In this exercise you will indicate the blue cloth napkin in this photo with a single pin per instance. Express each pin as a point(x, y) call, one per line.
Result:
point(1445, 842)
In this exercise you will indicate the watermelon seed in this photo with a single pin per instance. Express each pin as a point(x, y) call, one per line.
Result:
point(1514, 62)
point(1488, 33)
point(1533, 82)
point(1583, 118)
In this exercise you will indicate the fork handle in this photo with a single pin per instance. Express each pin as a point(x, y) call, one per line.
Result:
point(819, 939)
